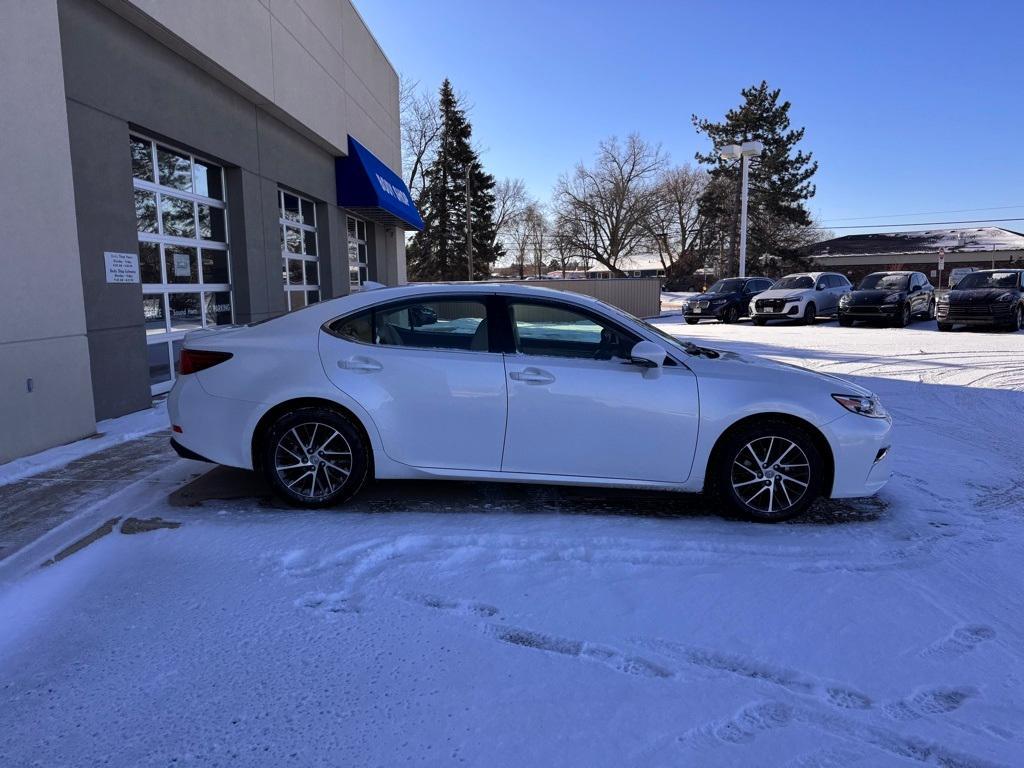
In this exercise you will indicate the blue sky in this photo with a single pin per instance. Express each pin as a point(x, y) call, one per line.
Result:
point(910, 107)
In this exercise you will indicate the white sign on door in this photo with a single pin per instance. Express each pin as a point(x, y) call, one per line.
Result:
point(182, 265)
point(121, 267)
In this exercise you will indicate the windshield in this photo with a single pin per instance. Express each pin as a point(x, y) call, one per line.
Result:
point(988, 280)
point(883, 282)
point(732, 285)
point(795, 281)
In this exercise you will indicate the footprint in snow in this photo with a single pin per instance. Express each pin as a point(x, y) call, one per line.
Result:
point(450, 605)
point(743, 727)
point(933, 701)
point(963, 639)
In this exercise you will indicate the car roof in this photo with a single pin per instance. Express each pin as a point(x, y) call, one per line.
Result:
point(1004, 269)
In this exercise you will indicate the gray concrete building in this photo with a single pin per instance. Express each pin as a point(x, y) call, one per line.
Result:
point(178, 165)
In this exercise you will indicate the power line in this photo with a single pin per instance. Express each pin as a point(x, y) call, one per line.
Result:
point(920, 224)
point(927, 213)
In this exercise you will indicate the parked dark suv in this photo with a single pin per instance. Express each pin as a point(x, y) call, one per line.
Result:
point(895, 298)
point(726, 300)
point(992, 297)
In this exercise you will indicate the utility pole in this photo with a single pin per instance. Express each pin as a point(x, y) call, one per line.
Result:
point(469, 228)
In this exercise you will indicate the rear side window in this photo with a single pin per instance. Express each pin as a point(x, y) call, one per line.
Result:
point(455, 324)
point(551, 331)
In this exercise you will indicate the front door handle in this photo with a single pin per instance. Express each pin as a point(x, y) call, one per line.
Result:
point(532, 376)
point(360, 364)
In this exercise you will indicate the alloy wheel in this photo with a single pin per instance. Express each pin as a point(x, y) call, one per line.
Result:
point(313, 460)
point(770, 475)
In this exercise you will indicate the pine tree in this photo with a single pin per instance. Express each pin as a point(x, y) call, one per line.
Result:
point(780, 182)
point(439, 251)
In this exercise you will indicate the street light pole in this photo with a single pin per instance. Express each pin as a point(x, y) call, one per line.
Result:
point(744, 152)
point(469, 228)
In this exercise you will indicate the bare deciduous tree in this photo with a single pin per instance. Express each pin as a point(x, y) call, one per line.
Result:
point(675, 229)
point(421, 128)
point(538, 228)
point(510, 199)
point(609, 202)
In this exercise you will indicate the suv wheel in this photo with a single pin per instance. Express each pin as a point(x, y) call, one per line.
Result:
point(1018, 319)
point(314, 457)
point(903, 319)
point(730, 315)
point(768, 471)
point(810, 313)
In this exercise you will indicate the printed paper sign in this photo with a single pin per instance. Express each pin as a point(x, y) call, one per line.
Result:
point(121, 267)
point(182, 265)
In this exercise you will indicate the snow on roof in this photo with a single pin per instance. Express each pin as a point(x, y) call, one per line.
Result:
point(633, 262)
point(925, 241)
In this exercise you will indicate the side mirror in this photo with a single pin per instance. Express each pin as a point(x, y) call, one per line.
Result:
point(915, 288)
point(647, 354)
point(819, 287)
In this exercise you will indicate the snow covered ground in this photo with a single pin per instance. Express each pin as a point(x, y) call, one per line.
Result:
point(485, 625)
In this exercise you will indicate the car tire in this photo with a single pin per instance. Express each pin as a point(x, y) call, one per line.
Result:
point(692, 320)
point(758, 320)
point(931, 310)
point(945, 327)
point(314, 440)
point(739, 482)
point(1018, 320)
point(730, 315)
point(903, 319)
point(810, 314)
point(846, 322)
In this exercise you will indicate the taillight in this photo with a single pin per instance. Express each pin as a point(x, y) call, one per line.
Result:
point(193, 360)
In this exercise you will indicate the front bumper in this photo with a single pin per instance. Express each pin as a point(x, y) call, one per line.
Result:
point(788, 311)
point(703, 313)
point(862, 450)
point(976, 314)
point(869, 311)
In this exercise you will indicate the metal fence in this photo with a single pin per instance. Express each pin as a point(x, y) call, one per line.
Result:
point(640, 296)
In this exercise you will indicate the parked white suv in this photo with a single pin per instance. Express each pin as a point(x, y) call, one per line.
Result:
point(803, 296)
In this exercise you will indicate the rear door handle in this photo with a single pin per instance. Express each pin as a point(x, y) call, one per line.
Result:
point(360, 364)
point(532, 376)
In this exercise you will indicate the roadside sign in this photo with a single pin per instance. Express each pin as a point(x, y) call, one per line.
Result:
point(942, 259)
point(121, 267)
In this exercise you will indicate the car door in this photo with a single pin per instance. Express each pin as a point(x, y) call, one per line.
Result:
point(424, 372)
point(839, 286)
point(577, 406)
point(824, 299)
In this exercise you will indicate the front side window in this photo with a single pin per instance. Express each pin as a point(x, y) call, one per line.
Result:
point(181, 220)
point(551, 331)
point(300, 261)
point(454, 324)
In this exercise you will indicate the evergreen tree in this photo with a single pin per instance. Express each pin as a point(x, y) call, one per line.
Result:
point(439, 251)
point(780, 182)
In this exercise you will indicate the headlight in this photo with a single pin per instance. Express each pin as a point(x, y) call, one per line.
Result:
point(716, 302)
point(845, 299)
point(1006, 297)
point(943, 299)
point(686, 305)
point(865, 406)
point(892, 298)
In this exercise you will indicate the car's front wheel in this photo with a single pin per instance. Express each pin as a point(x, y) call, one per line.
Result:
point(692, 320)
point(810, 314)
point(730, 315)
point(314, 457)
point(758, 320)
point(767, 471)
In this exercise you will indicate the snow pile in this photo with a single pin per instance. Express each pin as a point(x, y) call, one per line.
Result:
point(109, 432)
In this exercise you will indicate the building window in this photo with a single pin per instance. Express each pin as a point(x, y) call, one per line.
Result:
point(356, 252)
point(181, 218)
point(299, 250)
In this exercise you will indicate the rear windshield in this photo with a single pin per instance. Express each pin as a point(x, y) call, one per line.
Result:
point(883, 282)
point(988, 280)
point(795, 281)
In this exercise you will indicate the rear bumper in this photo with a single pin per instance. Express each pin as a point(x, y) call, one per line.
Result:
point(216, 429)
point(185, 453)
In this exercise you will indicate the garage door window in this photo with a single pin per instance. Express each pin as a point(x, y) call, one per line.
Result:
point(356, 253)
point(299, 250)
point(184, 265)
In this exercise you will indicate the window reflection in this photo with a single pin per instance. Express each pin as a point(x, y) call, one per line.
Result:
point(217, 308)
point(215, 266)
point(175, 169)
point(149, 262)
point(181, 265)
point(211, 223)
point(145, 211)
point(185, 312)
point(177, 216)
point(142, 159)
point(153, 314)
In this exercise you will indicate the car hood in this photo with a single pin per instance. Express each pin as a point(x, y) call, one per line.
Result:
point(873, 297)
point(785, 293)
point(977, 295)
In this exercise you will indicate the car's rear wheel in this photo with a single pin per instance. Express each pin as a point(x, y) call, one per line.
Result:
point(314, 457)
point(810, 313)
point(767, 471)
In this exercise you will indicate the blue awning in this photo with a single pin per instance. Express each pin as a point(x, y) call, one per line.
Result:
point(370, 189)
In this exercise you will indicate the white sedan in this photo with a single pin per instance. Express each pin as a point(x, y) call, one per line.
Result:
point(521, 384)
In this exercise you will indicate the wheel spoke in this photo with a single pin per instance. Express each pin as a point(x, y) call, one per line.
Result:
point(754, 488)
point(789, 501)
point(748, 482)
point(297, 480)
point(340, 470)
point(788, 479)
point(744, 466)
point(291, 466)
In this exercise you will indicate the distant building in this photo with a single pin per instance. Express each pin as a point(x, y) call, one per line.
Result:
point(858, 255)
point(638, 265)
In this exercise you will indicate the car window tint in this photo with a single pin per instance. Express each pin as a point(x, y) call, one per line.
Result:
point(459, 324)
point(543, 329)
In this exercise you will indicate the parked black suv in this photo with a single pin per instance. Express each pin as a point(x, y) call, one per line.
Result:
point(726, 300)
point(992, 297)
point(895, 298)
